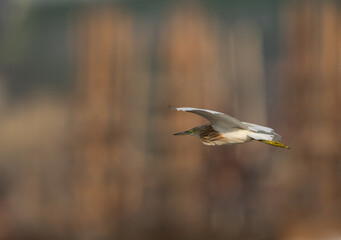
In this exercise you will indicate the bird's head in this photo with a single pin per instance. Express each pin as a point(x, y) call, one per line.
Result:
point(191, 132)
point(195, 131)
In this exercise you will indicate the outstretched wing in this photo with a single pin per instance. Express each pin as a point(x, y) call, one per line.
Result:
point(219, 121)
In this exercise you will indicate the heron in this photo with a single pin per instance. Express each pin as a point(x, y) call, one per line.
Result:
point(226, 130)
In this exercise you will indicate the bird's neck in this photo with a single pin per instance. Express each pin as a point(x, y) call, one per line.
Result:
point(206, 130)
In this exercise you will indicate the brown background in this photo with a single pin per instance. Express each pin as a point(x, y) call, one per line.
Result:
point(86, 144)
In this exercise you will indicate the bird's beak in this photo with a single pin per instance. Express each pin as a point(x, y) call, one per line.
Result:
point(182, 133)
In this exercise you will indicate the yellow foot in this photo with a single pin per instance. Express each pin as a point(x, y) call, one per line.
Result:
point(276, 144)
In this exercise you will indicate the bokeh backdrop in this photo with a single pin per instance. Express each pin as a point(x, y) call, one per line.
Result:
point(86, 144)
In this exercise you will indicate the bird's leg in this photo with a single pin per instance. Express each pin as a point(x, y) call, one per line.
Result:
point(274, 143)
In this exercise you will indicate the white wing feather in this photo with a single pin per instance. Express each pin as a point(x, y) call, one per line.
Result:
point(258, 128)
point(262, 131)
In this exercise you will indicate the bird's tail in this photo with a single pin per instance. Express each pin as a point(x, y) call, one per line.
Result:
point(268, 138)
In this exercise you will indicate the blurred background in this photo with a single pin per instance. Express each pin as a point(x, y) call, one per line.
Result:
point(86, 144)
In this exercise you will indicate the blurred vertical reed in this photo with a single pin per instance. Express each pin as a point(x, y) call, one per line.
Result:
point(310, 99)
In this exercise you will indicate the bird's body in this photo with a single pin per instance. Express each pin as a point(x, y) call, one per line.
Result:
point(226, 130)
point(209, 136)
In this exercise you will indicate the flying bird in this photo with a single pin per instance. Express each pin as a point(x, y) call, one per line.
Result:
point(225, 130)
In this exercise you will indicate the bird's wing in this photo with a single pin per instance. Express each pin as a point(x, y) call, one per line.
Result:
point(219, 121)
point(262, 129)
